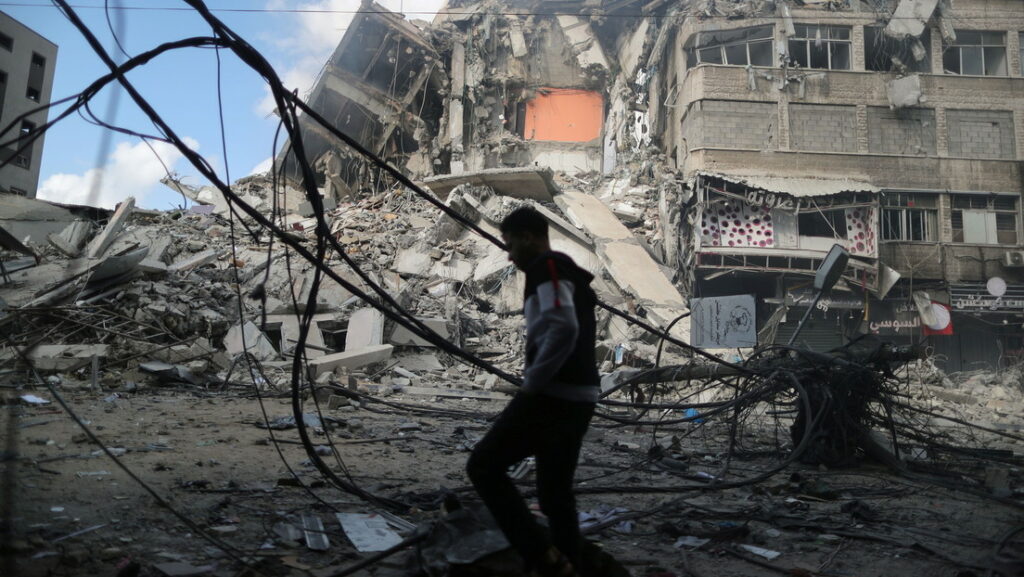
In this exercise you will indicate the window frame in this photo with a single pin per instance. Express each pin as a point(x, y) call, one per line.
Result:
point(722, 47)
point(807, 40)
point(987, 204)
point(982, 46)
point(904, 206)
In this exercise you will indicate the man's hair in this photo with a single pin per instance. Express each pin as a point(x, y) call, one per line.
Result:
point(525, 219)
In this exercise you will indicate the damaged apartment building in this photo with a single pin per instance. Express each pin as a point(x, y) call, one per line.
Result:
point(716, 148)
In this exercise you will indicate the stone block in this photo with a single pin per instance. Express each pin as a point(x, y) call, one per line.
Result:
point(349, 359)
point(365, 328)
point(404, 337)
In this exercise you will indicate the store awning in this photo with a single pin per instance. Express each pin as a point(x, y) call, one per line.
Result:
point(798, 187)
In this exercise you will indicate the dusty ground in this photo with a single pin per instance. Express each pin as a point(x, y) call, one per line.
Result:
point(201, 451)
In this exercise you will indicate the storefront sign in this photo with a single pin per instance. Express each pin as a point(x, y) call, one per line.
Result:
point(976, 298)
point(893, 318)
point(804, 298)
point(771, 200)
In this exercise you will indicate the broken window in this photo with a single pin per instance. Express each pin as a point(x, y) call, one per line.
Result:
point(564, 115)
point(6, 42)
point(825, 47)
point(976, 53)
point(826, 223)
point(907, 216)
point(747, 46)
point(36, 73)
point(884, 53)
point(979, 219)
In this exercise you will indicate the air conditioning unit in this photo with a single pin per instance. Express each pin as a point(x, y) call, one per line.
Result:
point(1013, 258)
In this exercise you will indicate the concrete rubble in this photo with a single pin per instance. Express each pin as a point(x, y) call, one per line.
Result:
point(573, 108)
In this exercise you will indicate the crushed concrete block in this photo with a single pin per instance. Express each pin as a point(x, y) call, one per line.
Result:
point(910, 18)
point(102, 242)
point(195, 261)
point(255, 342)
point(404, 337)
point(455, 269)
point(905, 92)
point(70, 240)
point(583, 40)
point(350, 359)
point(60, 357)
point(413, 261)
point(365, 329)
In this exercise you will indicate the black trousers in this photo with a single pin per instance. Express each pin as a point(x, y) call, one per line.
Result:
point(551, 430)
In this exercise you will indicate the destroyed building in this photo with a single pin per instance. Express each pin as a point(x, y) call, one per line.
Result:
point(739, 139)
point(688, 152)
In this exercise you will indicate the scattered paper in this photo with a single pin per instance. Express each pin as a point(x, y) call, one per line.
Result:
point(368, 532)
point(760, 551)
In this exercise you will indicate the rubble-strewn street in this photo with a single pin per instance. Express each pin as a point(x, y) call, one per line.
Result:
point(804, 222)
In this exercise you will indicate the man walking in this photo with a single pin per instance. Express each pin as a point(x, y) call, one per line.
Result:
point(550, 414)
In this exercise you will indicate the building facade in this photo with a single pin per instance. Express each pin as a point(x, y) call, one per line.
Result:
point(739, 139)
point(27, 62)
point(894, 129)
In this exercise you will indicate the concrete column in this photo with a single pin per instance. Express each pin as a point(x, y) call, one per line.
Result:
point(1018, 128)
point(857, 37)
point(945, 218)
point(936, 49)
point(1013, 46)
point(783, 132)
point(941, 133)
point(862, 129)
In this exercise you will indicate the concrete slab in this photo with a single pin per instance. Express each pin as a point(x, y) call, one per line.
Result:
point(527, 182)
point(910, 18)
point(103, 240)
point(404, 337)
point(583, 40)
point(412, 261)
point(455, 269)
point(365, 329)
point(349, 359)
point(255, 342)
point(194, 261)
point(57, 358)
point(590, 214)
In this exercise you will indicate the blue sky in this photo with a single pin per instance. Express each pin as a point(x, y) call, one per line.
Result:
point(183, 88)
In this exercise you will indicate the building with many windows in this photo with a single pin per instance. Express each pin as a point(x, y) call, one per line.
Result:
point(738, 139)
point(27, 62)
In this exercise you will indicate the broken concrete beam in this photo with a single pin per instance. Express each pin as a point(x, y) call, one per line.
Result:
point(57, 358)
point(910, 18)
point(349, 359)
point(102, 242)
point(405, 338)
point(583, 40)
point(152, 266)
point(194, 261)
point(365, 329)
point(516, 38)
point(70, 240)
point(249, 338)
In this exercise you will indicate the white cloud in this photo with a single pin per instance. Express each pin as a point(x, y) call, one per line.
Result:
point(262, 167)
point(132, 170)
point(316, 32)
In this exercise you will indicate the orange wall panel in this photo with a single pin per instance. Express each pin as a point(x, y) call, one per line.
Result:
point(564, 115)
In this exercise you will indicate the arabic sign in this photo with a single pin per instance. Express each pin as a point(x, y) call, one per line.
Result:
point(976, 298)
point(723, 322)
point(837, 300)
point(771, 200)
point(894, 318)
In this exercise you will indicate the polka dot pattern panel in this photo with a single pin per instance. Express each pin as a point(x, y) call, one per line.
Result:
point(737, 224)
point(861, 231)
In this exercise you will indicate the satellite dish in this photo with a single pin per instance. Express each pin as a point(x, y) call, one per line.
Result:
point(996, 286)
point(941, 317)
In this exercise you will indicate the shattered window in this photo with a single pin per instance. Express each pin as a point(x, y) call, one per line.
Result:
point(910, 217)
point(826, 47)
point(826, 223)
point(884, 53)
point(748, 46)
point(980, 219)
point(976, 53)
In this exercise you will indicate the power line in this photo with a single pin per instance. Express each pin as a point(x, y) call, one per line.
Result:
point(957, 17)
